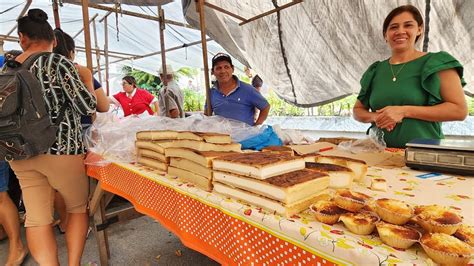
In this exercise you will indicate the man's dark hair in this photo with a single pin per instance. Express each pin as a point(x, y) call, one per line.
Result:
point(130, 80)
point(35, 25)
point(397, 11)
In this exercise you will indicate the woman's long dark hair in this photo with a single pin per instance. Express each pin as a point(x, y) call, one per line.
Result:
point(64, 43)
point(35, 25)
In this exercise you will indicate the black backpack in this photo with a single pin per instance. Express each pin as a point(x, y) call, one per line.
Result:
point(26, 128)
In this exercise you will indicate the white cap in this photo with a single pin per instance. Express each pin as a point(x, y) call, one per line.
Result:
point(169, 70)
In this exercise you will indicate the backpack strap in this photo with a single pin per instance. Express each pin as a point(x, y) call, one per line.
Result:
point(31, 59)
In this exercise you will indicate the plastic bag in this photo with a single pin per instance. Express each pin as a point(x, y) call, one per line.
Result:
point(374, 142)
point(114, 138)
point(267, 138)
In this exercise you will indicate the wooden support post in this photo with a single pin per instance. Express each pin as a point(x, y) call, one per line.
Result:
point(101, 235)
point(161, 15)
point(57, 21)
point(87, 33)
point(106, 54)
point(202, 25)
point(97, 51)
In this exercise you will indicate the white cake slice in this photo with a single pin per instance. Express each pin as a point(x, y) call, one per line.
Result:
point(359, 167)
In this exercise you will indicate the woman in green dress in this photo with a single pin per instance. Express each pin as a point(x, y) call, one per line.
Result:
point(412, 92)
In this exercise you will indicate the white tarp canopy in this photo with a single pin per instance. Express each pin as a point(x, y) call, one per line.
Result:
point(126, 34)
point(316, 51)
point(309, 53)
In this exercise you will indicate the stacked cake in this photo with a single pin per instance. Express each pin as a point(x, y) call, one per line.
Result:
point(274, 181)
point(184, 154)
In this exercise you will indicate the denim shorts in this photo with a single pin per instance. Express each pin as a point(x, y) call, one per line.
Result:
point(4, 176)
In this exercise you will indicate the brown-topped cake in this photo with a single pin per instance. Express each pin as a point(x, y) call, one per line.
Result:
point(437, 219)
point(287, 188)
point(339, 176)
point(209, 137)
point(326, 211)
point(465, 233)
point(203, 158)
point(362, 223)
point(279, 150)
point(393, 211)
point(350, 200)
point(397, 236)
point(359, 167)
point(258, 165)
point(445, 249)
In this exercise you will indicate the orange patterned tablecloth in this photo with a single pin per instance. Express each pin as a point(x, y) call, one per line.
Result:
point(235, 233)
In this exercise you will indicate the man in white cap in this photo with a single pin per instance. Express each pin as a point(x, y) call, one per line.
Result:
point(170, 98)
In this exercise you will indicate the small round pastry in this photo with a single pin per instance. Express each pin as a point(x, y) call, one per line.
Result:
point(326, 211)
point(445, 249)
point(393, 211)
point(466, 234)
point(349, 200)
point(437, 219)
point(397, 236)
point(362, 223)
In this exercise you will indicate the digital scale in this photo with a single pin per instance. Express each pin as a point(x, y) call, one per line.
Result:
point(443, 155)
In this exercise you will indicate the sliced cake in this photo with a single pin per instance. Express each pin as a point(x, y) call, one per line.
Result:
point(203, 158)
point(153, 155)
point(153, 163)
point(279, 150)
point(157, 146)
point(260, 165)
point(198, 180)
point(191, 167)
point(359, 167)
point(339, 176)
point(287, 188)
point(271, 205)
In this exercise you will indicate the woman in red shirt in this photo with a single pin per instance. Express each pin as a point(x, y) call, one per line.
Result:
point(134, 100)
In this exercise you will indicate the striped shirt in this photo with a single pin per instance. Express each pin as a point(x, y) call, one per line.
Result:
point(62, 86)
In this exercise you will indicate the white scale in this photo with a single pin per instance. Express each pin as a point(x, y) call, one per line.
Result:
point(443, 155)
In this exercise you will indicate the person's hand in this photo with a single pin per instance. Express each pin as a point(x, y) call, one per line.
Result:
point(389, 116)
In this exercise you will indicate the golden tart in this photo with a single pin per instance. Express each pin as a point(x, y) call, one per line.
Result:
point(397, 236)
point(362, 223)
point(465, 233)
point(446, 249)
point(349, 200)
point(437, 219)
point(393, 211)
point(326, 211)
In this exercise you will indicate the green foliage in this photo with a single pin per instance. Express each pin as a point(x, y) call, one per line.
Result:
point(193, 101)
point(342, 107)
point(278, 107)
point(470, 105)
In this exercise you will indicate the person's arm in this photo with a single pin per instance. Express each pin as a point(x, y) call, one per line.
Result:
point(453, 107)
point(114, 101)
point(103, 103)
point(362, 113)
point(263, 115)
point(86, 76)
point(157, 108)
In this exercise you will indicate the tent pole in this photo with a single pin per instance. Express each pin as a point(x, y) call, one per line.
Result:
point(97, 51)
point(106, 54)
point(22, 13)
point(161, 15)
point(87, 33)
point(57, 21)
point(294, 2)
point(202, 25)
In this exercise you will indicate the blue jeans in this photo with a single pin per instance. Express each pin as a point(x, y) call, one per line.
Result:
point(4, 176)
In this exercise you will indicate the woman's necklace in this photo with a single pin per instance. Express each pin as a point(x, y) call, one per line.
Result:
point(394, 76)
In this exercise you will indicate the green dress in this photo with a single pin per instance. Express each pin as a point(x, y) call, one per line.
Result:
point(417, 84)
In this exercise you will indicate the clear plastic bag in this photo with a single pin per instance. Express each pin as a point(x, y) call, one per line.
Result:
point(374, 142)
point(114, 138)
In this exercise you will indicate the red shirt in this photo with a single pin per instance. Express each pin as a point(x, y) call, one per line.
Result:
point(139, 103)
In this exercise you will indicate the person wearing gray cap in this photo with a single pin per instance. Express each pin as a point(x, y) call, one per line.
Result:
point(170, 97)
point(232, 98)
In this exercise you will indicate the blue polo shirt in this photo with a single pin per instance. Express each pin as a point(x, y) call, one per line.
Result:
point(240, 104)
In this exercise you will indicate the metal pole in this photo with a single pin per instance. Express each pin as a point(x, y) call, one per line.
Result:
point(161, 15)
point(87, 33)
point(202, 25)
point(81, 30)
point(97, 51)
point(57, 21)
point(106, 54)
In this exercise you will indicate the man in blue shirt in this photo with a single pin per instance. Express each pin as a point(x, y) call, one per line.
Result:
point(232, 98)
